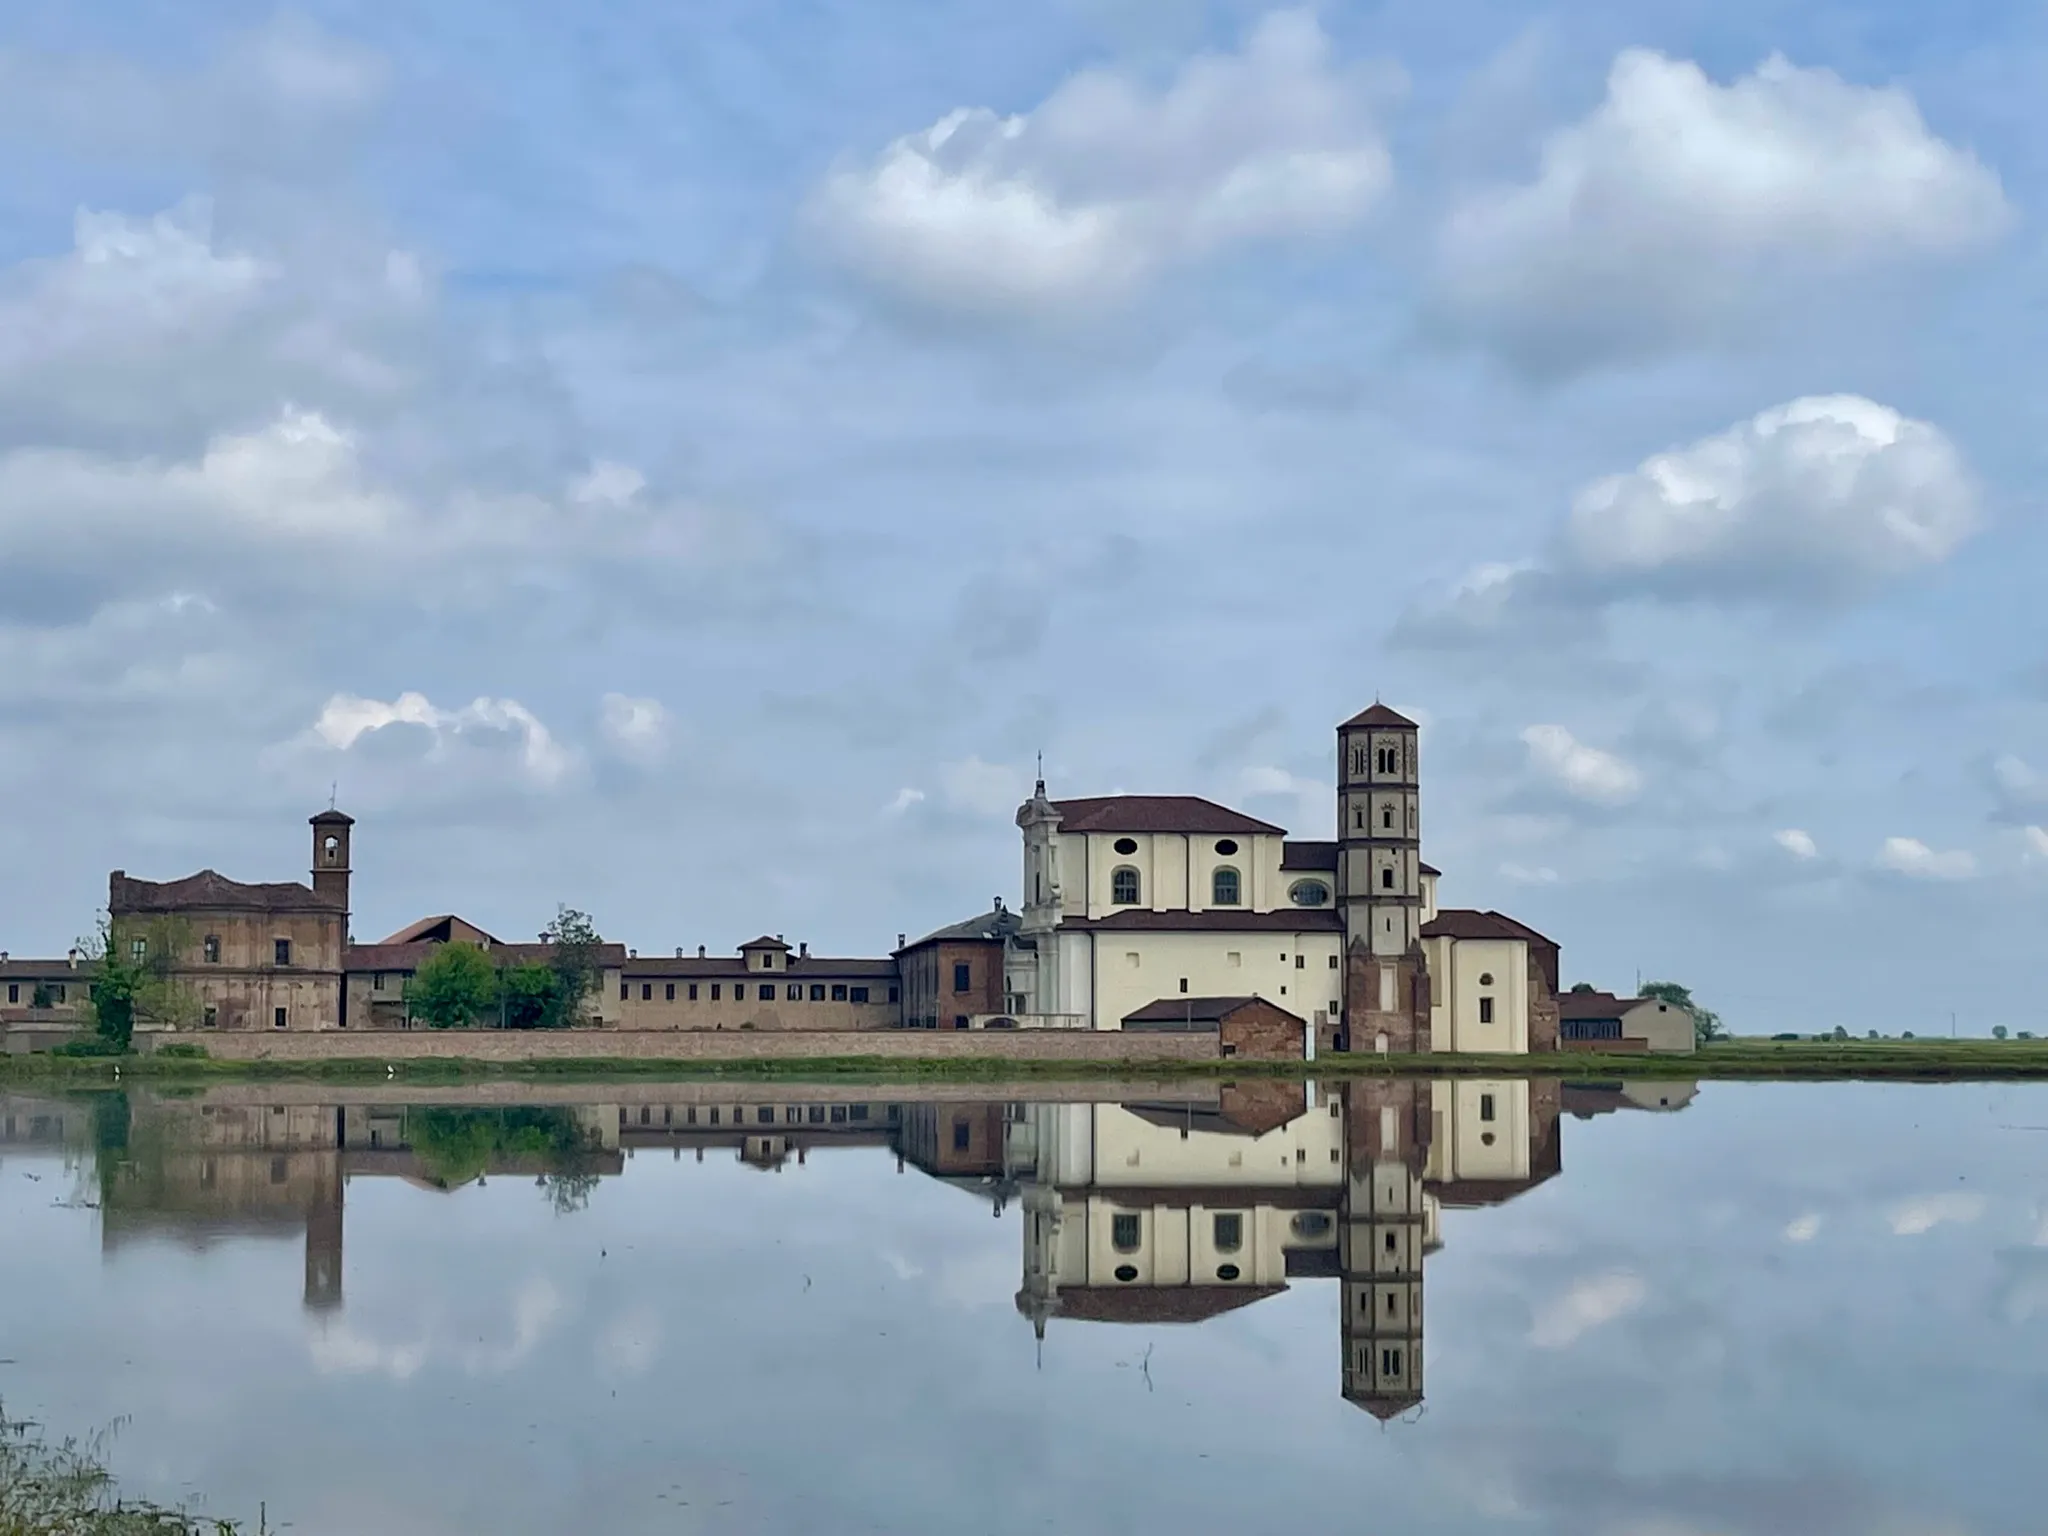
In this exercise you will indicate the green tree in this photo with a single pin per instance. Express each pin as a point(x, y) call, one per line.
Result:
point(456, 987)
point(1706, 1024)
point(1998, 1031)
point(42, 996)
point(116, 981)
point(573, 958)
point(1584, 986)
point(529, 997)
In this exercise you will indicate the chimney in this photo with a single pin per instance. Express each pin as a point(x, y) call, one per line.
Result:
point(778, 938)
point(803, 949)
point(900, 939)
point(632, 954)
point(679, 951)
point(73, 958)
point(700, 951)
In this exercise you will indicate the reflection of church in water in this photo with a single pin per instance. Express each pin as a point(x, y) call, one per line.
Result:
point(1145, 1212)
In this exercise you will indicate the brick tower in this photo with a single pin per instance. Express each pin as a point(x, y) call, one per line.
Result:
point(1379, 882)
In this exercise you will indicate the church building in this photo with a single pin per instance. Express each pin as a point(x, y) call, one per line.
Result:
point(1134, 903)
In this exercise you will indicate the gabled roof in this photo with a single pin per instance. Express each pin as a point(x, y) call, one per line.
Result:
point(995, 924)
point(439, 927)
point(1156, 813)
point(1195, 1012)
point(1154, 1304)
point(208, 890)
point(406, 956)
point(1464, 923)
point(1308, 853)
point(1596, 1005)
point(1219, 920)
point(332, 818)
point(1379, 714)
point(766, 941)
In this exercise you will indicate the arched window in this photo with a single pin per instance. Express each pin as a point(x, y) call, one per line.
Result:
point(1386, 815)
point(1123, 887)
point(1386, 879)
point(1225, 887)
point(1309, 893)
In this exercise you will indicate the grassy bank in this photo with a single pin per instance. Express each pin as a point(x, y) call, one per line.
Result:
point(1741, 1058)
point(65, 1490)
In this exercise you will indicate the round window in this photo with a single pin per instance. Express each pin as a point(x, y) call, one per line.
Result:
point(1312, 1224)
point(1127, 845)
point(1227, 1271)
point(1486, 978)
point(1486, 1138)
point(1225, 847)
point(1127, 1272)
point(1309, 893)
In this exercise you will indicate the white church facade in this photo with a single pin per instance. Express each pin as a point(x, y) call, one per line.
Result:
point(1133, 901)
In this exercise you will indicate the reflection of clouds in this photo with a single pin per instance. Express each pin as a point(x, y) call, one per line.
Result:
point(338, 1350)
point(1801, 1229)
point(630, 1344)
point(1586, 1306)
point(534, 1310)
point(1910, 1218)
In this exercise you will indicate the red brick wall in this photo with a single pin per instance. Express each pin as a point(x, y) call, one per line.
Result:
point(1261, 1031)
point(1407, 1025)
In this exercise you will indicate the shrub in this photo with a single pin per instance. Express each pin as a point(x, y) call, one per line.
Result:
point(183, 1050)
point(1871, 1036)
point(1785, 1037)
point(2026, 1034)
point(89, 1045)
point(1906, 1034)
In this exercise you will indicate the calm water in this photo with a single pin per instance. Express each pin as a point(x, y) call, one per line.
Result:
point(1767, 1309)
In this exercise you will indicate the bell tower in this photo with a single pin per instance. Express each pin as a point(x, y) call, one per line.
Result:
point(1379, 882)
point(1039, 820)
point(330, 856)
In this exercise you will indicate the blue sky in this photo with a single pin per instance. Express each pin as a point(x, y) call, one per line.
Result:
point(687, 464)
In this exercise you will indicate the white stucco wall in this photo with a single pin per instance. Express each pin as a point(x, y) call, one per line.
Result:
point(1455, 969)
point(1176, 871)
point(1298, 971)
point(1480, 1129)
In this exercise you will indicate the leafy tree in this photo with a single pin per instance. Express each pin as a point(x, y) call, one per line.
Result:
point(1706, 1024)
point(1840, 1033)
point(116, 980)
point(1998, 1031)
point(456, 987)
point(529, 997)
point(1584, 986)
point(574, 961)
point(42, 996)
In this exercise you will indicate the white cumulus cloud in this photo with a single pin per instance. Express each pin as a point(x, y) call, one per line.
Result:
point(1589, 1304)
point(906, 797)
point(346, 719)
point(1678, 200)
point(1802, 1229)
point(1797, 843)
point(634, 728)
point(1107, 180)
point(1581, 771)
point(1910, 1218)
point(1910, 856)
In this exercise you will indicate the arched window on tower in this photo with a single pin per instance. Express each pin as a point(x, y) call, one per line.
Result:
point(1226, 888)
point(1386, 816)
point(1387, 879)
point(1124, 890)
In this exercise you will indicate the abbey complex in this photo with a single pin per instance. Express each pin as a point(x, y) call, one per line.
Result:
point(1155, 913)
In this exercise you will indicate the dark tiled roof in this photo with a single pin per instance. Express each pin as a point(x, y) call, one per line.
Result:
point(209, 890)
point(332, 818)
point(1592, 1005)
point(1464, 923)
point(1194, 1012)
point(766, 941)
point(1141, 920)
point(1384, 1405)
point(719, 967)
point(1302, 853)
point(1156, 1304)
point(407, 957)
point(1379, 714)
point(412, 933)
point(995, 924)
point(1156, 813)
point(46, 970)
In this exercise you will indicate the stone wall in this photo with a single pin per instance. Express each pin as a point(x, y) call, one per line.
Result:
point(697, 1045)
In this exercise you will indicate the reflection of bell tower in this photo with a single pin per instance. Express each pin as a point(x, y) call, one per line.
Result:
point(323, 1236)
point(1379, 882)
point(1382, 1242)
point(1039, 1299)
point(330, 856)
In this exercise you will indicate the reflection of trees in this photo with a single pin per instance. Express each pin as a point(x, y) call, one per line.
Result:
point(455, 1146)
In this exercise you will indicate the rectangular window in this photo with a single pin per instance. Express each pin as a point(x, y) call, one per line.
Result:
point(14, 992)
point(1126, 1231)
point(895, 995)
point(817, 992)
point(57, 992)
point(1486, 1106)
point(796, 992)
point(671, 993)
point(281, 951)
point(767, 993)
point(211, 949)
point(138, 950)
point(1336, 1008)
point(793, 1115)
point(857, 1112)
point(963, 1133)
point(646, 991)
point(1228, 1050)
point(765, 1114)
point(690, 1114)
point(1486, 1010)
point(693, 991)
point(1229, 1233)
point(714, 991)
point(1300, 962)
point(1183, 983)
point(860, 994)
point(959, 1021)
point(212, 1017)
point(714, 1117)
point(963, 976)
point(1333, 962)
point(278, 1022)
point(839, 1114)
point(1386, 879)
point(817, 1114)
point(625, 991)
point(838, 991)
